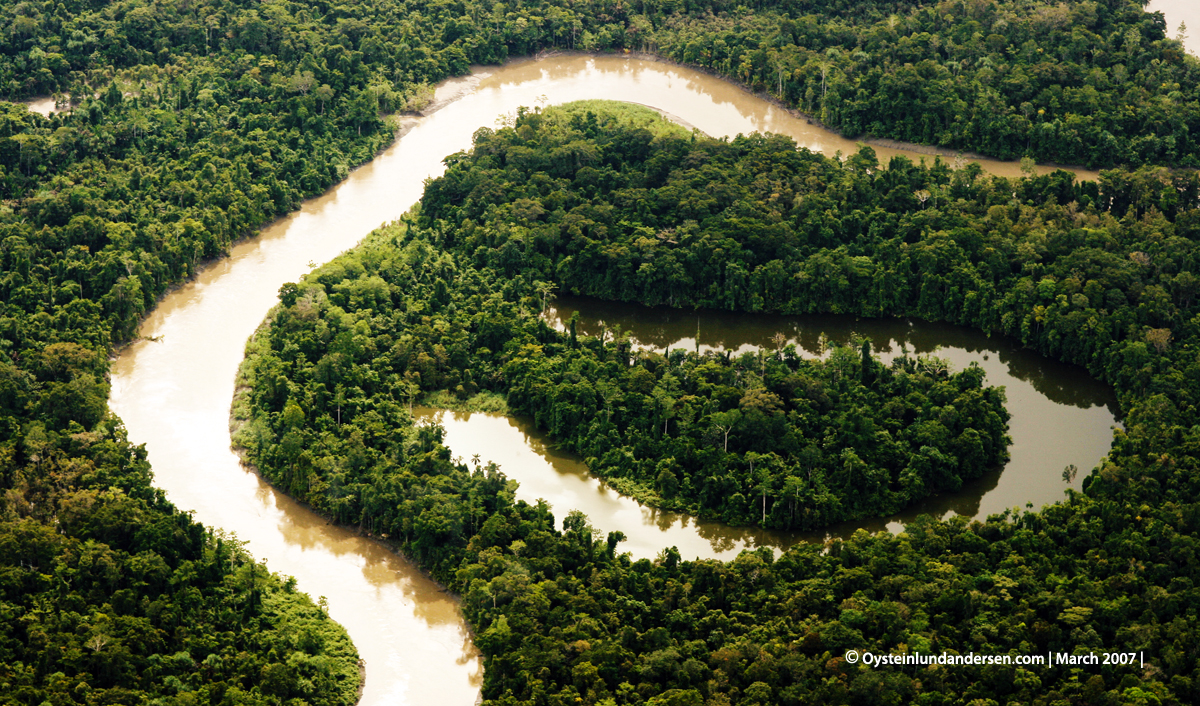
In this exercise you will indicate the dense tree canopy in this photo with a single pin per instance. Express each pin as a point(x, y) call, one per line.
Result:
point(769, 439)
point(1095, 82)
point(193, 123)
point(111, 595)
point(1096, 274)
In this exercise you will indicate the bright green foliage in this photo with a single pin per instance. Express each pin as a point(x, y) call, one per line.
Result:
point(1098, 275)
point(630, 115)
point(199, 121)
point(1095, 273)
point(111, 595)
point(108, 594)
point(325, 393)
point(1095, 83)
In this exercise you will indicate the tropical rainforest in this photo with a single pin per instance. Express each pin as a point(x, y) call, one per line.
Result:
point(769, 439)
point(185, 126)
point(816, 443)
point(1097, 274)
point(1094, 82)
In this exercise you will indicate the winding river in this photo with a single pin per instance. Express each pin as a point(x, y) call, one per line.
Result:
point(1060, 417)
point(174, 387)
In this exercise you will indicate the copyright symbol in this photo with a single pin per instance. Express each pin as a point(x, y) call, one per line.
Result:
point(852, 656)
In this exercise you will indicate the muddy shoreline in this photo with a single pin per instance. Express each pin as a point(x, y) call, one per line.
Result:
point(931, 150)
point(175, 395)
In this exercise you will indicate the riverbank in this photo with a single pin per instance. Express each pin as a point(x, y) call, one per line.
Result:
point(160, 386)
point(955, 157)
point(237, 423)
point(175, 395)
point(562, 611)
point(382, 541)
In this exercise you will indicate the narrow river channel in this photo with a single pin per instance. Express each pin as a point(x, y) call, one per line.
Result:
point(174, 391)
point(1060, 416)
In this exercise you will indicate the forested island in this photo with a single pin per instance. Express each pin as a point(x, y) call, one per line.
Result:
point(449, 298)
point(807, 442)
point(185, 127)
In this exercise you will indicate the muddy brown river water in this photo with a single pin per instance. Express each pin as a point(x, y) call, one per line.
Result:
point(173, 393)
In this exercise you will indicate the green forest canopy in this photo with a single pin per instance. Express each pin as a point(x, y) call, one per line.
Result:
point(1093, 82)
point(201, 121)
point(1094, 274)
point(769, 439)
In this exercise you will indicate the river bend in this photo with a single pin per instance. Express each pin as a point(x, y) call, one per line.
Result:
point(174, 392)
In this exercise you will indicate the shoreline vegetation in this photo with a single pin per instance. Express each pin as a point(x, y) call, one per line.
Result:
point(931, 150)
point(578, 203)
point(423, 104)
point(207, 121)
point(990, 79)
point(237, 423)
